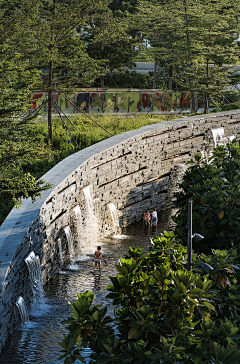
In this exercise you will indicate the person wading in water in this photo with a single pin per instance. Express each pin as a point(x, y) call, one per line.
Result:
point(154, 217)
point(98, 257)
point(146, 217)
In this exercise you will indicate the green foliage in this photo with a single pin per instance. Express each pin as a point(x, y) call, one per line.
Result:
point(214, 189)
point(126, 79)
point(109, 40)
point(195, 42)
point(60, 47)
point(230, 106)
point(163, 313)
point(17, 78)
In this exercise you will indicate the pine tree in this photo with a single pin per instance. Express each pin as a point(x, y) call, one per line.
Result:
point(109, 40)
point(17, 79)
point(213, 30)
point(195, 41)
point(60, 50)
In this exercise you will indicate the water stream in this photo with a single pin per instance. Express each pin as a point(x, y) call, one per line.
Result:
point(114, 215)
point(60, 250)
point(68, 233)
point(37, 341)
point(91, 224)
point(218, 136)
point(34, 269)
point(22, 308)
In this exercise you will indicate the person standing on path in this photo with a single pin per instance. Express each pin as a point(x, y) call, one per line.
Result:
point(154, 217)
point(146, 217)
point(98, 256)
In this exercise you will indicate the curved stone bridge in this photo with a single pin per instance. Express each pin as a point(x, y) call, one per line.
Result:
point(131, 170)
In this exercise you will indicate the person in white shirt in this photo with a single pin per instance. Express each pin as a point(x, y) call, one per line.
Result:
point(154, 217)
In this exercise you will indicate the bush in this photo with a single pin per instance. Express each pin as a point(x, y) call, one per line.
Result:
point(214, 188)
point(228, 107)
point(163, 313)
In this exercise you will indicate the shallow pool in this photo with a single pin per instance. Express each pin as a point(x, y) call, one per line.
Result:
point(37, 341)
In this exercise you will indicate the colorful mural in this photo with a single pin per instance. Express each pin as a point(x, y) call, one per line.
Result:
point(97, 101)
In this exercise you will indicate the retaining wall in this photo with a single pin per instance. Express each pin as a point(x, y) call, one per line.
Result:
point(133, 170)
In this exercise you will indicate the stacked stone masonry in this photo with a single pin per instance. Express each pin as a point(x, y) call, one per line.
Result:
point(132, 170)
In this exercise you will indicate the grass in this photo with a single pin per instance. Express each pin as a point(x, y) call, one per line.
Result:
point(78, 134)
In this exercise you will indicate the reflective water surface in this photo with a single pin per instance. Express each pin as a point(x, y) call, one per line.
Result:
point(37, 341)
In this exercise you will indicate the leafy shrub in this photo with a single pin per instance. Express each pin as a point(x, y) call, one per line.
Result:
point(214, 188)
point(164, 313)
point(228, 107)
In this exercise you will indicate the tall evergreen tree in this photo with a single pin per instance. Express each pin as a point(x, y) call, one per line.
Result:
point(109, 39)
point(195, 41)
point(17, 79)
point(60, 48)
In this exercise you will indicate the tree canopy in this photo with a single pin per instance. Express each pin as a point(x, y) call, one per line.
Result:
point(214, 187)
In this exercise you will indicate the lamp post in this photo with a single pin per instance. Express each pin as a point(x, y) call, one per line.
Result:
point(196, 237)
point(189, 238)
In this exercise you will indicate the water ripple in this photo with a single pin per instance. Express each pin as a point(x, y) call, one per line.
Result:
point(37, 341)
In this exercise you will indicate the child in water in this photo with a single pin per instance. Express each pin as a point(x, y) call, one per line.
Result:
point(98, 256)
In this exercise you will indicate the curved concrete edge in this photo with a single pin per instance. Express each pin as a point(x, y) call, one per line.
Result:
point(17, 222)
point(134, 171)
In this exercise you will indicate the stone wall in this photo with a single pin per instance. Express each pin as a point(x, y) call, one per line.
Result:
point(132, 170)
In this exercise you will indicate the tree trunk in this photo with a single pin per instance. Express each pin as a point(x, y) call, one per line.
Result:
point(170, 78)
point(189, 42)
point(155, 73)
point(206, 94)
point(193, 96)
point(50, 79)
point(102, 81)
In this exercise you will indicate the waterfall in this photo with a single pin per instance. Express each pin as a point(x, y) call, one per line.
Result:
point(34, 269)
point(22, 308)
point(218, 136)
point(78, 215)
point(231, 138)
point(60, 250)
point(68, 233)
point(204, 155)
point(114, 215)
point(91, 230)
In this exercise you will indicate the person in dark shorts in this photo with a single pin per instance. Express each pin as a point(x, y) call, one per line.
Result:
point(154, 217)
point(98, 256)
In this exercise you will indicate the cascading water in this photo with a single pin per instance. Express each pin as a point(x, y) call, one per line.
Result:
point(204, 155)
point(79, 227)
point(218, 136)
point(114, 215)
point(78, 215)
point(22, 308)
point(91, 230)
point(60, 250)
point(37, 342)
point(68, 233)
point(34, 269)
